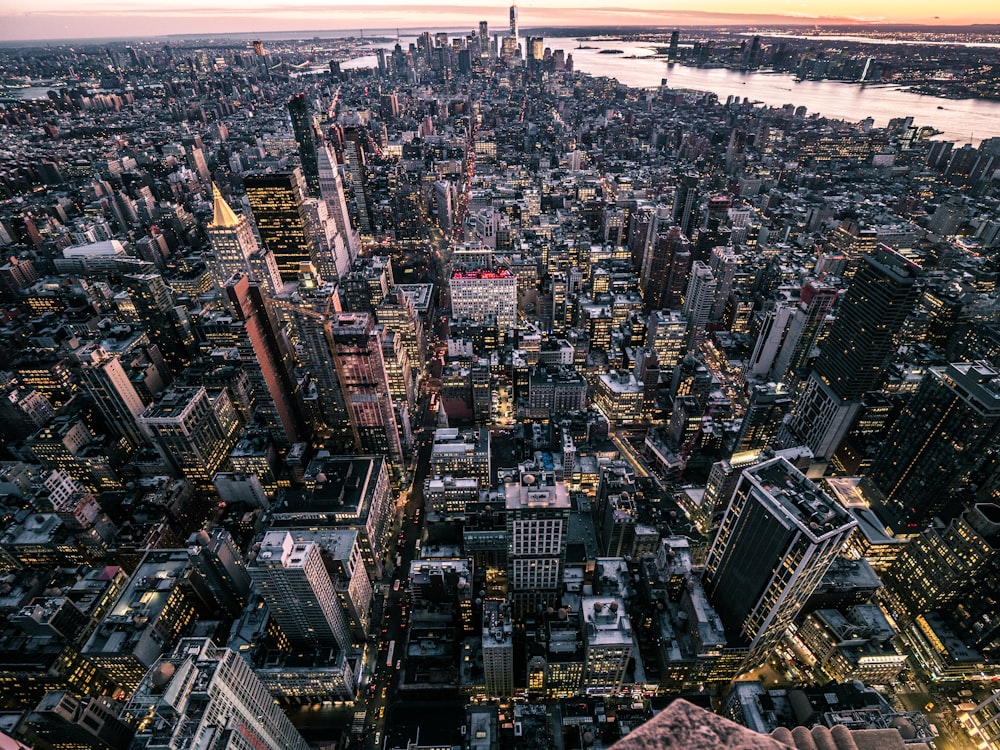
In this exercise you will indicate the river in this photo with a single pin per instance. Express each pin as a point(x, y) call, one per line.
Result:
point(959, 120)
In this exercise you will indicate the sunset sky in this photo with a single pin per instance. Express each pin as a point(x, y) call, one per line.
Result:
point(61, 19)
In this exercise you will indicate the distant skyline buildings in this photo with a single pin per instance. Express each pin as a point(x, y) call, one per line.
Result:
point(63, 19)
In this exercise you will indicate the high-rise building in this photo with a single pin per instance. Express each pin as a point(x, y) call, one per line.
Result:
point(480, 294)
point(777, 539)
point(769, 403)
point(305, 137)
point(879, 300)
point(397, 313)
point(277, 201)
point(331, 190)
point(699, 300)
point(855, 352)
point(608, 644)
point(193, 430)
point(807, 328)
point(297, 588)
point(271, 353)
point(537, 522)
point(513, 22)
point(112, 392)
point(365, 386)
point(934, 448)
point(205, 696)
point(165, 323)
point(665, 270)
point(940, 566)
point(235, 249)
point(356, 162)
point(498, 648)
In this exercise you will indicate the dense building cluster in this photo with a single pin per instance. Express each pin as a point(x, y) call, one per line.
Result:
point(472, 381)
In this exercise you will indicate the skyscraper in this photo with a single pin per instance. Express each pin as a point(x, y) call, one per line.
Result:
point(935, 446)
point(777, 538)
point(108, 385)
point(513, 21)
point(365, 385)
point(193, 431)
point(305, 137)
point(272, 355)
point(665, 270)
point(297, 589)
point(277, 201)
point(537, 518)
point(855, 353)
point(331, 190)
point(205, 696)
point(165, 322)
point(235, 249)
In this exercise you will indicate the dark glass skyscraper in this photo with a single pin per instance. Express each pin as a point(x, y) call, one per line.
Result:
point(861, 338)
point(777, 539)
point(305, 137)
point(938, 442)
point(277, 202)
point(855, 353)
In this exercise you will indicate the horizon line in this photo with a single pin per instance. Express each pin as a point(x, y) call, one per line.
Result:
point(787, 21)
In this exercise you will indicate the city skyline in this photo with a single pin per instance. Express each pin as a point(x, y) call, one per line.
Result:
point(342, 378)
point(58, 19)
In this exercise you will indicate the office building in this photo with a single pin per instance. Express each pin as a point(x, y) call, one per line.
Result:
point(277, 201)
point(365, 385)
point(304, 130)
point(331, 190)
point(537, 522)
point(498, 648)
point(271, 355)
point(462, 453)
point(61, 720)
point(939, 442)
point(159, 602)
point(205, 696)
point(856, 351)
point(608, 644)
point(345, 492)
point(165, 323)
point(666, 267)
point(108, 384)
point(481, 294)
point(193, 430)
point(776, 540)
point(235, 249)
point(699, 301)
point(940, 566)
point(297, 588)
point(769, 403)
point(397, 313)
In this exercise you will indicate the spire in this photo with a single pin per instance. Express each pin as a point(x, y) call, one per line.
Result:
point(224, 216)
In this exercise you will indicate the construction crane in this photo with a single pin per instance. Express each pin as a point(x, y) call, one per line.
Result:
point(326, 320)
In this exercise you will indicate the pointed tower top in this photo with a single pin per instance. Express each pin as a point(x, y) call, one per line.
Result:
point(224, 216)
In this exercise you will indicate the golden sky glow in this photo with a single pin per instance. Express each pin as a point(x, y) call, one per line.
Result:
point(53, 19)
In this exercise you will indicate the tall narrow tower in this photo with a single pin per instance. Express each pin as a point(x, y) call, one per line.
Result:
point(272, 354)
point(305, 137)
point(855, 352)
point(365, 385)
point(513, 21)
